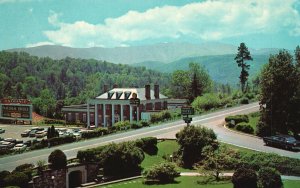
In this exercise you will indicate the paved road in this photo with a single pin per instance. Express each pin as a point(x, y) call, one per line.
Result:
point(212, 120)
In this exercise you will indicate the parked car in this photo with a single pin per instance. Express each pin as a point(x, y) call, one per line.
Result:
point(19, 147)
point(2, 131)
point(6, 145)
point(32, 133)
point(12, 140)
point(40, 134)
point(282, 141)
point(25, 133)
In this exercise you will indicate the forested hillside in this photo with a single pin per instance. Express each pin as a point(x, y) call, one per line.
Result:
point(50, 83)
point(221, 68)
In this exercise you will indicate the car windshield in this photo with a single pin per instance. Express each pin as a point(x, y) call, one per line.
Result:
point(291, 139)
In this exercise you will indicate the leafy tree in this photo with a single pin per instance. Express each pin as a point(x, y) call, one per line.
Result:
point(180, 84)
point(57, 160)
point(200, 81)
point(269, 178)
point(277, 90)
point(51, 132)
point(120, 160)
point(192, 140)
point(163, 173)
point(242, 56)
point(218, 160)
point(244, 178)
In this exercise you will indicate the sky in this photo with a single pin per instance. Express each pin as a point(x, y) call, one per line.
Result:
point(115, 23)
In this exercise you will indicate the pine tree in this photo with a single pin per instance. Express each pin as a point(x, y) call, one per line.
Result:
point(242, 56)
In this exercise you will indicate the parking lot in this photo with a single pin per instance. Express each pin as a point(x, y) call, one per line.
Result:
point(14, 131)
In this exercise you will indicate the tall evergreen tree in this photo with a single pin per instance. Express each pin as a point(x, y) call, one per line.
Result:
point(277, 91)
point(242, 56)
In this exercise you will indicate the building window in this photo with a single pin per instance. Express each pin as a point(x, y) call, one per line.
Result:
point(84, 118)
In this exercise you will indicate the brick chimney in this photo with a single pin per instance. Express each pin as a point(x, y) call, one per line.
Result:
point(105, 88)
point(156, 91)
point(147, 92)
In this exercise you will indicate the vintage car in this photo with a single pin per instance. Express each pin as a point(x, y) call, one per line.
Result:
point(2, 131)
point(282, 141)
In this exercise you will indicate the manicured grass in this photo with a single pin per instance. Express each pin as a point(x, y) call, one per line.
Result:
point(182, 181)
point(291, 183)
point(185, 181)
point(165, 148)
point(253, 120)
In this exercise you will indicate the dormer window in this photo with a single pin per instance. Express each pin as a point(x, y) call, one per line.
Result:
point(110, 94)
point(127, 94)
point(119, 94)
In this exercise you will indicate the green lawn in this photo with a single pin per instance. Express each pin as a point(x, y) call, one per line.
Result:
point(165, 148)
point(253, 120)
point(184, 181)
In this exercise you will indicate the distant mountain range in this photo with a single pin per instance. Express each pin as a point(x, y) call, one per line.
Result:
point(218, 58)
point(163, 52)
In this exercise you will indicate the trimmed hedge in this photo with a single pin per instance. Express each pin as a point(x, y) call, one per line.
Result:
point(161, 116)
point(256, 161)
point(244, 127)
point(237, 119)
point(54, 121)
point(95, 133)
point(161, 173)
point(148, 145)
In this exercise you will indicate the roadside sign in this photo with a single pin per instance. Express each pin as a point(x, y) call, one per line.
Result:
point(187, 110)
point(135, 101)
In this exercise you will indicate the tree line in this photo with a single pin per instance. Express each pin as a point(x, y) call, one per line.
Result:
point(50, 83)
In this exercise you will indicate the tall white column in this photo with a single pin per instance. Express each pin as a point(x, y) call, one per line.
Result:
point(104, 115)
point(88, 115)
point(122, 112)
point(112, 114)
point(96, 115)
point(130, 118)
point(137, 113)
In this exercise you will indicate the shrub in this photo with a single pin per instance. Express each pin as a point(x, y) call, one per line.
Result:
point(161, 116)
point(145, 124)
point(244, 100)
point(162, 173)
point(136, 125)
point(26, 168)
point(237, 119)
point(57, 160)
point(3, 175)
point(17, 179)
point(269, 178)
point(192, 140)
point(95, 133)
point(54, 121)
point(244, 127)
point(61, 140)
point(230, 125)
point(244, 178)
point(148, 145)
point(117, 160)
point(284, 165)
point(121, 160)
point(122, 125)
point(206, 102)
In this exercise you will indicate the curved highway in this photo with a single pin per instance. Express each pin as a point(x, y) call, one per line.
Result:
point(167, 130)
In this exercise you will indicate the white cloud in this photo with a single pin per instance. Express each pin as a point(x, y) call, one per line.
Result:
point(209, 20)
point(39, 44)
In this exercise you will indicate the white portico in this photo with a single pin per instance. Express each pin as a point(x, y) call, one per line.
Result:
point(114, 105)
